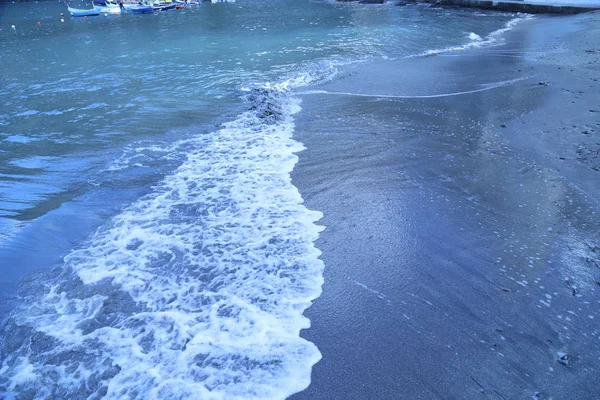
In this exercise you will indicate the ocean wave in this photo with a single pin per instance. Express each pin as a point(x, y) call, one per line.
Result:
point(493, 39)
point(194, 291)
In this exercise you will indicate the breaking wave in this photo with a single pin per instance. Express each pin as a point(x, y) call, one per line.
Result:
point(194, 291)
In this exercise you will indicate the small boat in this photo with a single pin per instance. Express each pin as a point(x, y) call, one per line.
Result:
point(163, 6)
point(107, 6)
point(179, 6)
point(80, 12)
point(139, 8)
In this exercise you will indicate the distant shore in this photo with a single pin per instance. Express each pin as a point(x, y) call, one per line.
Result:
point(462, 213)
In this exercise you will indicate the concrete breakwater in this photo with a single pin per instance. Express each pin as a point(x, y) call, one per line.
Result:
point(509, 6)
point(519, 6)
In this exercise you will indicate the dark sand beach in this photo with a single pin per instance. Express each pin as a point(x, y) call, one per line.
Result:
point(460, 194)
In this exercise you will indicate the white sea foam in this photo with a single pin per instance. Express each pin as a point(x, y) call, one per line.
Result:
point(196, 290)
point(475, 37)
point(493, 39)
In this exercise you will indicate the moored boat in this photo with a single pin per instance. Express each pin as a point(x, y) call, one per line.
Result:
point(107, 6)
point(164, 6)
point(139, 8)
point(80, 12)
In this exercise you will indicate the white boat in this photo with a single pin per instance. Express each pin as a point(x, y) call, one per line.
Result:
point(107, 7)
point(108, 10)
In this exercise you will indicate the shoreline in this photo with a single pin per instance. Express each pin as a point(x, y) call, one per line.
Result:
point(460, 231)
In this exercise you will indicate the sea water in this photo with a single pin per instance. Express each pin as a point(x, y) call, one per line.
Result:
point(152, 243)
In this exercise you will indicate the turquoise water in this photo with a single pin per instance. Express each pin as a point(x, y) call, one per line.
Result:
point(146, 204)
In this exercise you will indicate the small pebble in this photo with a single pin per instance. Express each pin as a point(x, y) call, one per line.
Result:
point(563, 358)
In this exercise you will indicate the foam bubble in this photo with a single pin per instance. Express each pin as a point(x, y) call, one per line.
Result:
point(475, 37)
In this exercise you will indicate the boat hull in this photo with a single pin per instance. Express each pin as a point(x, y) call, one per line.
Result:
point(139, 9)
point(79, 12)
point(164, 7)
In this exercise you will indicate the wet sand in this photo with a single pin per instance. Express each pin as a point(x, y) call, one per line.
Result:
point(461, 195)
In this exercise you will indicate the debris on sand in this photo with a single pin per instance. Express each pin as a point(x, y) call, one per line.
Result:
point(563, 358)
